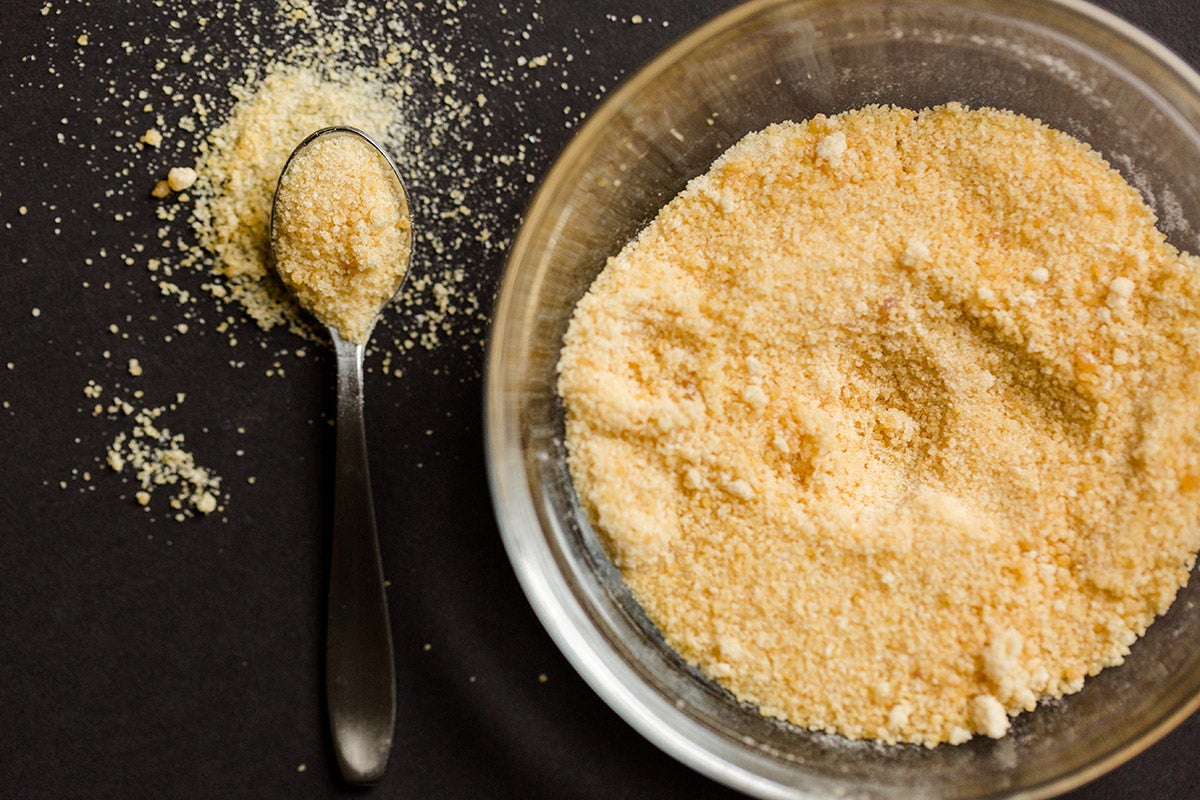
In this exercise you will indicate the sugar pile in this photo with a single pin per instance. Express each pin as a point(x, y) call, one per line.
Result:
point(889, 433)
point(195, 125)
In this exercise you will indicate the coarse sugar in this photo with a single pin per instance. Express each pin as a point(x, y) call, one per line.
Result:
point(891, 420)
point(341, 231)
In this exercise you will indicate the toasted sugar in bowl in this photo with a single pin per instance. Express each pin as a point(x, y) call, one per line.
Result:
point(893, 357)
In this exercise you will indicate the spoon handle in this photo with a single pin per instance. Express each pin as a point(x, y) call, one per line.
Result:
point(360, 678)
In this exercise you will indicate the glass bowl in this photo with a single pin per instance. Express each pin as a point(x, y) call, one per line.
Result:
point(1067, 63)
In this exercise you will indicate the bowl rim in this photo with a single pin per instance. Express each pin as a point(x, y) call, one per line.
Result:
point(544, 585)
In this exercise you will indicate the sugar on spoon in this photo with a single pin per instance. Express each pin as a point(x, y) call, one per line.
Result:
point(341, 238)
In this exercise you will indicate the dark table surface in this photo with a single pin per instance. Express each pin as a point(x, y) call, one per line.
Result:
point(141, 656)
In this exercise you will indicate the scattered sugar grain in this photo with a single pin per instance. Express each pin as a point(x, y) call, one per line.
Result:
point(332, 47)
point(160, 461)
point(180, 178)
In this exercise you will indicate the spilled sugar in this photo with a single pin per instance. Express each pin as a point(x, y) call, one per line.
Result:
point(358, 66)
point(158, 460)
point(240, 163)
point(195, 87)
point(149, 456)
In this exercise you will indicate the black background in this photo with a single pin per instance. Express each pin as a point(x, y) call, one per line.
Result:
point(144, 657)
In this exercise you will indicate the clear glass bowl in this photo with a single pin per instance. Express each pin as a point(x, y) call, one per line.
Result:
point(1075, 67)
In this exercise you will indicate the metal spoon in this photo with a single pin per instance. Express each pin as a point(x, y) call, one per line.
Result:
point(360, 678)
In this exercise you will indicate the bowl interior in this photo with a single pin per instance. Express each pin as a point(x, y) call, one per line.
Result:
point(1063, 62)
